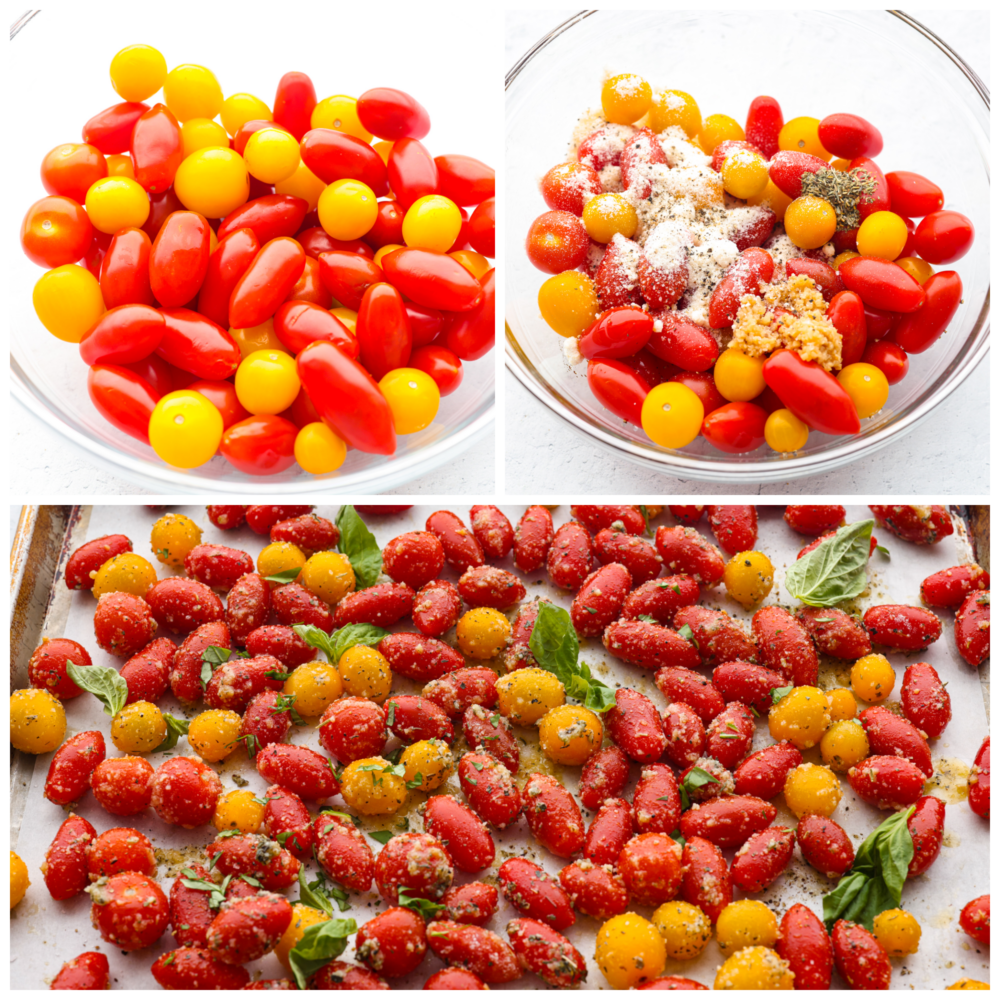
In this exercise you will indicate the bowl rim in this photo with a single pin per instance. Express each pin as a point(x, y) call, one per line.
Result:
point(773, 469)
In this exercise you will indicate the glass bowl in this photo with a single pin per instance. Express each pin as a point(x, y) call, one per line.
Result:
point(48, 377)
point(932, 110)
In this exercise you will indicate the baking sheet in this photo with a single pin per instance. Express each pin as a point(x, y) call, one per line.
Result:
point(45, 933)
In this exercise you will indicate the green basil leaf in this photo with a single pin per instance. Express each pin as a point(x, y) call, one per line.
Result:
point(685, 633)
point(104, 683)
point(600, 698)
point(882, 551)
point(677, 838)
point(425, 907)
point(418, 780)
point(335, 644)
point(314, 894)
point(321, 943)
point(778, 693)
point(554, 641)
point(834, 571)
point(285, 575)
point(359, 545)
point(698, 777)
point(175, 729)
point(648, 618)
point(382, 836)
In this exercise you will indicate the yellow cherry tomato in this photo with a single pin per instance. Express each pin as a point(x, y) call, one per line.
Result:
point(866, 385)
point(482, 633)
point(810, 221)
point(432, 223)
point(429, 762)
point(238, 109)
point(365, 673)
point(256, 338)
point(716, 129)
point(279, 557)
point(847, 255)
point(774, 198)
point(212, 181)
point(200, 133)
point(138, 72)
point(19, 880)
point(748, 577)
point(570, 734)
point(271, 155)
point(370, 787)
point(755, 968)
point(842, 705)
point(475, 263)
point(267, 381)
point(347, 209)
point(172, 537)
point(672, 415)
point(629, 951)
point(784, 432)
point(303, 917)
point(341, 113)
point(126, 573)
point(882, 234)
point(675, 107)
point(738, 376)
point(37, 720)
point(328, 575)
point(413, 397)
point(843, 745)
point(239, 810)
point(318, 450)
point(872, 678)
point(115, 203)
point(302, 183)
point(214, 734)
point(185, 429)
point(840, 164)
point(625, 98)
point(68, 301)
point(608, 214)
point(811, 788)
point(919, 270)
point(138, 728)
point(802, 136)
point(568, 303)
point(314, 685)
point(744, 173)
point(379, 254)
point(192, 92)
point(120, 165)
point(349, 317)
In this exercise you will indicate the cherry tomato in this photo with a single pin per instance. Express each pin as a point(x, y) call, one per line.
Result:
point(866, 385)
point(94, 257)
point(879, 323)
point(339, 112)
point(472, 334)
point(482, 223)
point(267, 382)
point(784, 432)
point(222, 395)
point(413, 397)
point(159, 374)
point(655, 370)
point(192, 91)
point(877, 200)
point(316, 240)
point(199, 133)
point(71, 168)
point(912, 194)
point(764, 124)
point(68, 301)
point(412, 172)
point(269, 217)
point(56, 231)
point(444, 366)
point(123, 399)
point(348, 275)
point(943, 237)
point(882, 284)
point(301, 412)
point(178, 261)
point(299, 324)
point(347, 398)
point(247, 129)
point(672, 415)
point(425, 323)
point(383, 331)
point(271, 155)
point(846, 312)
point(432, 279)
point(890, 358)
point(185, 428)
point(229, 262)
point(917, 331)
point(334, 156)
point(266, 283)
point(811, 393)
point(122, 335)
point(735, 427)
point(156, 148)
point(294, 101)
point(318, 450)
point(617, 333)
point(475, 263)
point(310, 287)
point(262, 445)
point(464, 179)
point(125, 269)
point(432, 222)
point(347, 209)
point(115, 203)
point(138, 72)
point(388, 225)
point(213, 182)
point(302, 184)
point(392, 114)
point(619, 388)
point(702, 384)
point(195, 344)
point(848, 136)
point(160, 207)
point(111, 129)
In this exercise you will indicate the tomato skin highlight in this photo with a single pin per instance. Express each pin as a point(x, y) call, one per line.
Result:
point(156, 149)
point(918, 331)
point(812, 394)
point(383, 330)
point(347, 398)
point(178, 260)
point(393, 114)
point(233, 256)
point(268, 217)
point(432, 279)
point(334, 156)
point(125, 269)
point(261, 445)
point(472, 334)
point(412, 173)
point(619, 388)
point(294, 101)
point(298, 324)
point(195, 344)
point(266, 283)
point(123, 399)
point(123, 335)
point(464, 179)
point(110, 130)
point(735, 427)
point(348, 276)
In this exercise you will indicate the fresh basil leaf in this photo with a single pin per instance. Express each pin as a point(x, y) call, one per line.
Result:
point(104, 683)
point(425, 907)
point(645, 517)
point(285, 575)
point(600, 698)
point(314, 893)
point(321, 943)
point(382, 836)
point(685, 633)
point(359, 545)
point(698, 777)
point(778, 693)
point(335, 644)
point(418, 780)
point(648, 618)
point(215, 655)
point(677, 838)
point(175, 729)
point(834, 571)
point(554, 641)
point(882, 551)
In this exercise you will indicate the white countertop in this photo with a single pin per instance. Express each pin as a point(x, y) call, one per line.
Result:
point(946, 454)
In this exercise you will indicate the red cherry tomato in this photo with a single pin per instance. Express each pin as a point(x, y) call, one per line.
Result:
point(161, 207)
point(743, 276)
point(482, 228)
point(467, 181)
point(316, 241)
point(392, 114)
point(160, 375)
point(683, 343)
point(222, 395)
point(917, 331)
point(294, 101)
point(849, 136)
point(269, 217)
point(764, 124)
point(383, 330)
point(735, 427)
point(653, 369)
point(557, 242)
point(247, 129)
point(388, 225)
point(432, 279)
point(93, 258)
point(347, 398)
point(826, 278)
point(879, 323)
point(617, 333)
point(882, 284)
point(261, 445)
point(257, 189)
point(110, 130)
point(912, 194)
point(472, 334)
point(846, 312)
point(299, 324)
point(425, 323)
point(125, 269)
point(334, 156)
point(226, 266)
point(702, 384)
point(178, 261)
point(348, 275)
point(56, 231)
point(71, 168)
point(266, 283)
point(195, 344)
point(302, 411)
point(619, 388)
point(123, 398)
point(811, 393)
point(123, 335)
point(156, 148)
point(412, 171)
point(877, 200)
point(890, 358)
point(944, 237)
point(444, 366)
point(309, 287)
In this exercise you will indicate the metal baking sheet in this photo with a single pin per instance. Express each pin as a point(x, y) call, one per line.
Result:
point(45, 933)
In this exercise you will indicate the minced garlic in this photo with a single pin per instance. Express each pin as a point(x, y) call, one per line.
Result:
point(757, 331)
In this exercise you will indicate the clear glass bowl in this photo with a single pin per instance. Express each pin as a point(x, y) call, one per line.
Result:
point(932, 110)
point(48, 377)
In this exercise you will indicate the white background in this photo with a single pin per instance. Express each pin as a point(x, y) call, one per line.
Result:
point(947, 452)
